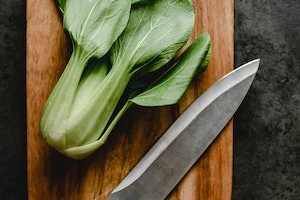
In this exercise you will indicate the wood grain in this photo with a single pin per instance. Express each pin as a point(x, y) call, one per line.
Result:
point(54, 177)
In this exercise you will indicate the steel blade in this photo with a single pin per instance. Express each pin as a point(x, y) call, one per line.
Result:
point(170, 158)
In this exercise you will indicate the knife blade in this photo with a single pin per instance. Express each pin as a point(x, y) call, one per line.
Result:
point(171, 157)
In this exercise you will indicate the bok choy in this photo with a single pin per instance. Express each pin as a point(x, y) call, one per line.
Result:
point(124, 53)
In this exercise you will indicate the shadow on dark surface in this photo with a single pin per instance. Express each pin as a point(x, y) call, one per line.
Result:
point(267, 131)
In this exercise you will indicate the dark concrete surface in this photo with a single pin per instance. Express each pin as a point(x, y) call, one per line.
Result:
point(267, 125)
point(12, 100)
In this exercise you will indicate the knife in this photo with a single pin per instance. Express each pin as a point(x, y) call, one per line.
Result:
point(171, 157)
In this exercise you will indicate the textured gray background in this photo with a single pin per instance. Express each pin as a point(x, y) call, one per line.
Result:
point(267, 125)
point(12, 100)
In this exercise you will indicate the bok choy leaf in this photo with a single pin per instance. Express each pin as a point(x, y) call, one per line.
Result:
point(124, 53)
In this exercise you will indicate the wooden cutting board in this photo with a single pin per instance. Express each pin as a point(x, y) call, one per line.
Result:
point(52, 176)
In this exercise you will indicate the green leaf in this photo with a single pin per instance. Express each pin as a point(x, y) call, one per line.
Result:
point(91, 79)
point(170, 87)
point(207, 58)
point(61, 5)
point(155, 32)
point(94, 25)
point(139, 1)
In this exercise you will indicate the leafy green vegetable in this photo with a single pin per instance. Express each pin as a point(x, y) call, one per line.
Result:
point(93, 26)
point(139, 1)
point(61, 5)
point(97, 86)
point(170, 87)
